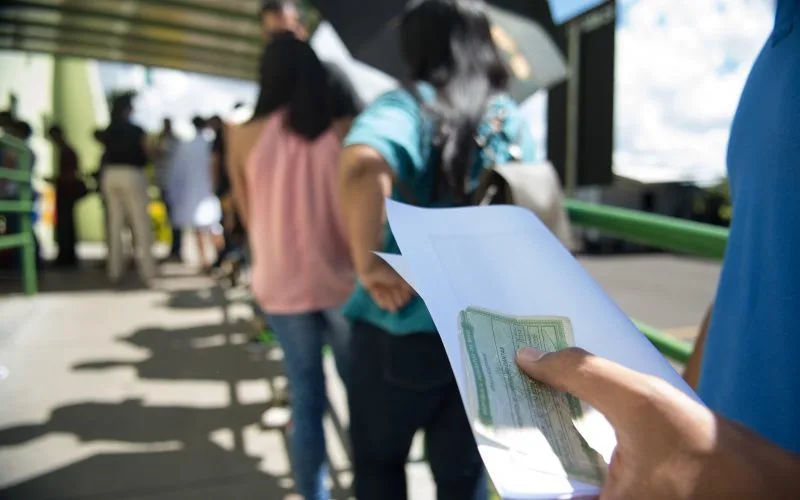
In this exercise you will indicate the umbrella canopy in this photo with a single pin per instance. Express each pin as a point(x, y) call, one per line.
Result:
point(522, 30)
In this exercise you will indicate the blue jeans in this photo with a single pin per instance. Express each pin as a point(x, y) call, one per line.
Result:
point(399, 385)
point(302, 337)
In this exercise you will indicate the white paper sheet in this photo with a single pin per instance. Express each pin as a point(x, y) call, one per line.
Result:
point(503, 258)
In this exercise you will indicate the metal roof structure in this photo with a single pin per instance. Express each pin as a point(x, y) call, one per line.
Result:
point(217, 37)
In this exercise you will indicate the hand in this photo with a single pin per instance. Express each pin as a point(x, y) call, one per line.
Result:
point(385, 286)
point(668, 445)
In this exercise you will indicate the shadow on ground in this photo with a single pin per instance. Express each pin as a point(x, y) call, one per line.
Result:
point(88, 276)
point(175, 456)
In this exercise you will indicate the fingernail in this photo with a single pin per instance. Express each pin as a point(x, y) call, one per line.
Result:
point(530, 354)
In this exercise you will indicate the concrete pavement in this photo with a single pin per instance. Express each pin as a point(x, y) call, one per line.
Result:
point(152, 394)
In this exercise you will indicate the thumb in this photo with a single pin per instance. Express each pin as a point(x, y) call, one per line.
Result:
point(607, 386)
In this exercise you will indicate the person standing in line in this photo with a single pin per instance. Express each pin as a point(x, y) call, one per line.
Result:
point(191, 197)
point(302, 272)
point(422, 139)
point(231, 234)
point(124, 187)
point(69, 189)
point(165, 155)
point(281, 19)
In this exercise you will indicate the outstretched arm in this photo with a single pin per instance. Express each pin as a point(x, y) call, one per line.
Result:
point(364, 182)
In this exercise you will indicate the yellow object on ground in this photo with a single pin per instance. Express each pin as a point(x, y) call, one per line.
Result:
point(162, 231)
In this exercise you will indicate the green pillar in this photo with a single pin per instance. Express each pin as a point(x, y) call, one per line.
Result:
point(80, 107)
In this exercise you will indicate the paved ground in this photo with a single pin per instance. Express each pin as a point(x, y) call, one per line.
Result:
point(152, 394)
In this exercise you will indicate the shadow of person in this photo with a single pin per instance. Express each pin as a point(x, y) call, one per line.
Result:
point(182, 461)
point(173, 475)
point(207, 352)
point(206, 471)
point(196, 464)
point(203, 298)
point(132, 422)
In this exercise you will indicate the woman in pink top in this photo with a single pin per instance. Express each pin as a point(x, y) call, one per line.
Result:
point(287, 158)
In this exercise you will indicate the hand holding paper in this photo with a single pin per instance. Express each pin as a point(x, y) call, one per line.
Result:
point(504, 259)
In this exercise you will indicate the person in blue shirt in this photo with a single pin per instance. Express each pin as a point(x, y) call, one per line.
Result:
point(746, 442)
point(425, 138)
point(750, 371)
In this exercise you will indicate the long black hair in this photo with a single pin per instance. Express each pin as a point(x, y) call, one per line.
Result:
point(448, 43)
point(292, 76)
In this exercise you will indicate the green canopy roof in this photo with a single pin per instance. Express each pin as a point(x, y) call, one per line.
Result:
point(218, 37)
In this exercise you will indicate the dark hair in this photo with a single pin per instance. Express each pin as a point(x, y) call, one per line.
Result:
point(277, 6)
point(199, 123)
point(23, 129)
point(448, 43)
point(55, 131)
point(121, 105)
point(292, 76)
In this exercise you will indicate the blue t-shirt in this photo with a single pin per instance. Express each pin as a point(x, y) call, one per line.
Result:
point(394, 126)
point(751, 367)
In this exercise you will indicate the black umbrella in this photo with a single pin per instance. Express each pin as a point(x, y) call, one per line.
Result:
point(523, 29)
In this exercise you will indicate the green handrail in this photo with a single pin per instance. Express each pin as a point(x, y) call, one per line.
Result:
point(657, 231)
point(671, 348)
point(21, 208)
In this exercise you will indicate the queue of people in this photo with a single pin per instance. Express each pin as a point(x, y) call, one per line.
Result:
point(190, 176)
point(305, 179)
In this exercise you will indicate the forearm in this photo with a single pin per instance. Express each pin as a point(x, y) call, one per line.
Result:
point(748, 466)
point(361, 193)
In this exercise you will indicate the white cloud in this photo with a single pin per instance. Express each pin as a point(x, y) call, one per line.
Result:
point(681, 65)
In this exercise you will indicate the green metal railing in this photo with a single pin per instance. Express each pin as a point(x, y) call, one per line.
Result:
point(21, 208)
point(657, 231)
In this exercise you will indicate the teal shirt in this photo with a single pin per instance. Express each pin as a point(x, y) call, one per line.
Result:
point(395, 127)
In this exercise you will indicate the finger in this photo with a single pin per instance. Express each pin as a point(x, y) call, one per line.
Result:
point(396, 297)
point(383, 301)
point(383, 297)
point(401, 296)
point(611, 388)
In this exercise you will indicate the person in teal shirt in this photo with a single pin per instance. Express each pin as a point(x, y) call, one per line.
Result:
point(424, 144)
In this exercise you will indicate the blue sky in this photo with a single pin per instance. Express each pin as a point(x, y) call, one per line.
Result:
point(681, 66)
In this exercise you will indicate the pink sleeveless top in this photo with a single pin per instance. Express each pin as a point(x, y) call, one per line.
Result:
point(301, 258)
